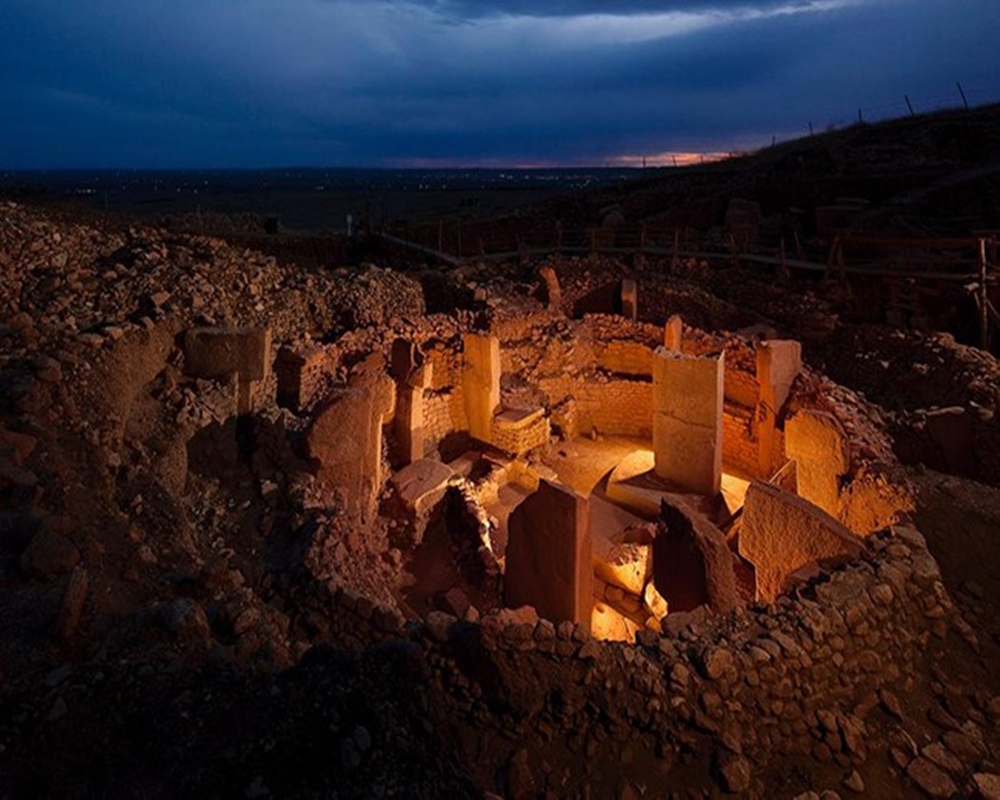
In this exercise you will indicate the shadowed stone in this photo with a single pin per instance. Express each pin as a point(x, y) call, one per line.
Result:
point(549, 555)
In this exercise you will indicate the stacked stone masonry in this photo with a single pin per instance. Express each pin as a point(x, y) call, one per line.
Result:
point(764, 682)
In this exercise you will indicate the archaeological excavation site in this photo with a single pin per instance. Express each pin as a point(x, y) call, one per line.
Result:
point(600, 521)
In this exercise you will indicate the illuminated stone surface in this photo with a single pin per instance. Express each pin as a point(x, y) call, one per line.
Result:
point(778, 365)
point(687, 420)
point(817, 442)
point(782, 533)
point(481, 383)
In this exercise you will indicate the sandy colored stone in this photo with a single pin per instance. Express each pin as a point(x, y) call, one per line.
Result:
point(608, 624)
point(779, 362)
point(818, 444)
point(673, 333)
point(422, 484)
point(687, 420)
point(629, 299)
point(345, 441)
point(481, 383)
point(625, 565)
point(782, 532)
point(654, 602)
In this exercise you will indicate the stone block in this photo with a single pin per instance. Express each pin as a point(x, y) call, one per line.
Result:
point(626, 565)
point(781, 533)
point(688, 395)
point(818, 444)
point(779, 363)
point(421, 485)
point(215, 352)
point(548, 564)
point(345, 441)
point(654, 602)
point(609, 624)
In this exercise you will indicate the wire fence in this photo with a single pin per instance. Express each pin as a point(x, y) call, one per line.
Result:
point(959, 95)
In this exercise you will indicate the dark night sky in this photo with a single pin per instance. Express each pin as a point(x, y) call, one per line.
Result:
point(230, 83)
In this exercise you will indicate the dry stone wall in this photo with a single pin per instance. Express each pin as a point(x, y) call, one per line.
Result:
point(768, 682)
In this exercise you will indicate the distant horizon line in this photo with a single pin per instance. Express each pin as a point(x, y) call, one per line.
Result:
point(630, 163)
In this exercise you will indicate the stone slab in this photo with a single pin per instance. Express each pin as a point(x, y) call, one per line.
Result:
point(630, 299)
point(779, 362)
point(548, 558)
point(673, 333)
point(422, 484)
point(781, 533)
point(688, 396)
point(693, 564)
point(818, 444)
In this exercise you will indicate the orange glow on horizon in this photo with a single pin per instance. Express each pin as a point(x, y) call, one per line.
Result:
point(669, 159)
point(625, 161)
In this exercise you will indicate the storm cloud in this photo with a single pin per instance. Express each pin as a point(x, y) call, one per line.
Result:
point(330, 82)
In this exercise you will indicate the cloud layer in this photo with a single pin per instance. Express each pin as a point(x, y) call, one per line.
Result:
point(331, 82)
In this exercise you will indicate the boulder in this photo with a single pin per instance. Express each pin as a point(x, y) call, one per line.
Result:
point(610, 625)
point(626, 565)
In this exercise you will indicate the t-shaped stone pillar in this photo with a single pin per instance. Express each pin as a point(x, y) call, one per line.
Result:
point(778, 364)
point(687, 419)
point(481, 383)
point(412, 376)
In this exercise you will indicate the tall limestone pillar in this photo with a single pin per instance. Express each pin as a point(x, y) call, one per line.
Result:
point(778, 364)
point(481, 383)
point(412, 375)
point(687, 419)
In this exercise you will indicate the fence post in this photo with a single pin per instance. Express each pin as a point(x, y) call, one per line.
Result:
point(962, 93)
point(984, 297)
point(675, 255)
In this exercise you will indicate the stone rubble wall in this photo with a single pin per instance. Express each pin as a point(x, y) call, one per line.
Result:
point(302, 374)
point(519, 439)
point(769, 681)
point(739, 445)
